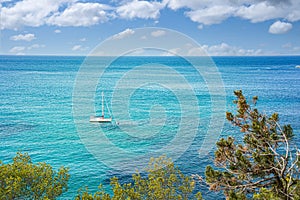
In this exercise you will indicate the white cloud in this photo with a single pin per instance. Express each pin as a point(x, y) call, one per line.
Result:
point(36, 46)
point(260, 12)
point(140, 9)
point(224, 49)
point(82, 39)
point(80, 14)
point(76, 47)
point(37, 13)
point(17, 49)
point(209, 12)
point(200, 27)
point(28, 13)
point(211, 15)
point(34, 13)
point(294, 15)
point(177, 4)
point(27, 37)
point(57, 31)
point(158, 33)
point(79, 48)
point(279, 27)
point(123, 34)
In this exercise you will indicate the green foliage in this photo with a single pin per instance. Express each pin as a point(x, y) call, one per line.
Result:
point(265, 194)
point(83, 194)
point(24, 180)
point(264, 165)
point(164, 181)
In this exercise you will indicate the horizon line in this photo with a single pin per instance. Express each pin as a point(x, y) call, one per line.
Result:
point(70, 55)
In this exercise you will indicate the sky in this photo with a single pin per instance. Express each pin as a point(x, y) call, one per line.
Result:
point(220, 27)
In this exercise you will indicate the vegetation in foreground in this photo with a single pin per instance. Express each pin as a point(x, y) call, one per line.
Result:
point(263, 166)
point(24, 180)
point(164, 181)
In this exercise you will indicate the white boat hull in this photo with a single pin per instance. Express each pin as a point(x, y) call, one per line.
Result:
point(100, 119)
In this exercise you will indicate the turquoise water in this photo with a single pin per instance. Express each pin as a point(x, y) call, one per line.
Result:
point(37, 109)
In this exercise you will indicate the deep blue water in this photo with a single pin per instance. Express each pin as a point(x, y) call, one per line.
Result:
point(40, 98)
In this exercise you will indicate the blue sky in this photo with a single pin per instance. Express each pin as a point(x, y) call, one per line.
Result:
point(221, 27)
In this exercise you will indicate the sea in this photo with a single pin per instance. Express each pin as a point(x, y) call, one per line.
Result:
point(168, 105)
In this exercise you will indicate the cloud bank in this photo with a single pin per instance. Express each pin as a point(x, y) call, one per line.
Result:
point(77, 13)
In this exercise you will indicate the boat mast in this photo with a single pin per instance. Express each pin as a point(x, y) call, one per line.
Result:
point(102, 104)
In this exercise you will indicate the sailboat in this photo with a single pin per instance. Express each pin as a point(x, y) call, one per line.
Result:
point(101, 119)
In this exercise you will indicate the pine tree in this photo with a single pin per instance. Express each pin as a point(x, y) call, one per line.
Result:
point(264, 165)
